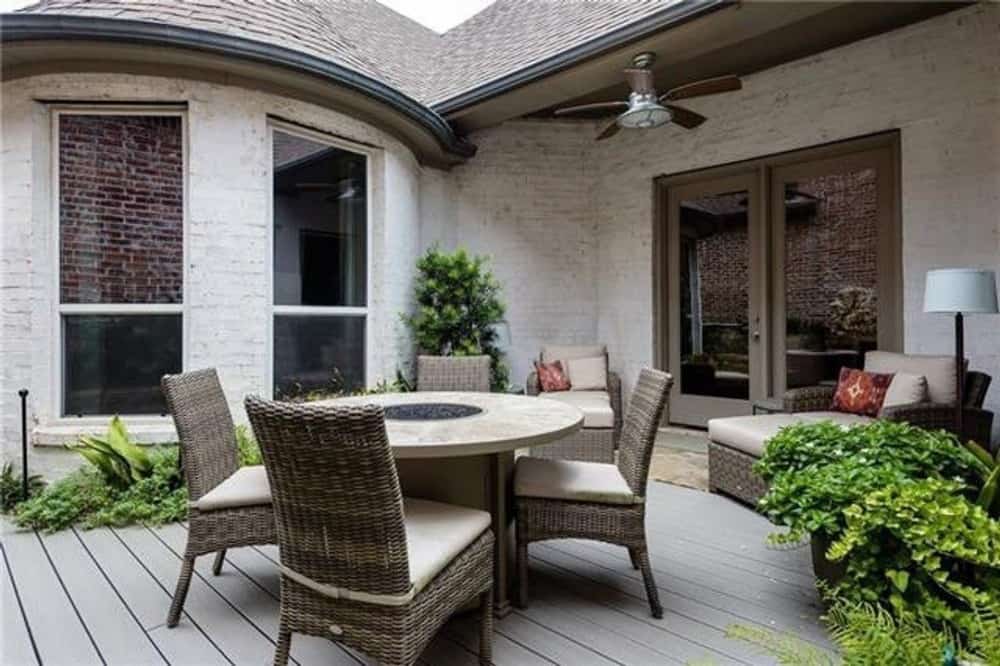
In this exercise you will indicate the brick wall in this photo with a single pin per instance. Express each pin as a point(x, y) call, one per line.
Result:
point(121, 216)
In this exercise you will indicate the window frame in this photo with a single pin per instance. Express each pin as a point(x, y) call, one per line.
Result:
point(274, 310)
point(60, 309)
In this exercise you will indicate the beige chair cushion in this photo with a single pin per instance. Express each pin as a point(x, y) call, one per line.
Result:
point(572, 480)
point(248, 486)
point(595, 405)
point(750, 434)
point(905, 389)
point(436, 533)
point(939, 371)
point(588, 374)
point(568, 352)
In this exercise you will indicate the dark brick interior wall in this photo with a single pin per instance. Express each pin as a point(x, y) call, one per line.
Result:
point(833, 248)
point(121, 209)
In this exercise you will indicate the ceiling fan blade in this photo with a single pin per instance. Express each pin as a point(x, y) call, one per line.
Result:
point(608, 106)
point(719, 84)
point(685, 118)
point(640, 80)
point(609, 131)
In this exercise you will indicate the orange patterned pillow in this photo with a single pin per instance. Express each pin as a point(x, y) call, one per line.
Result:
point(860, 392)
point(551, 376)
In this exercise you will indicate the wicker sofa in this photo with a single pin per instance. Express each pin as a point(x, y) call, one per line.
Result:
point(602, 410)
point(736, 443)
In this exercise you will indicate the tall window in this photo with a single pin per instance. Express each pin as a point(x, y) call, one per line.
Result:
point(320, 265)
point(121, 259)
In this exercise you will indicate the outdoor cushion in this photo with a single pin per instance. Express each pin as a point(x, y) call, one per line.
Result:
point(905, 389)
point(588, 374)
point(572, 480)
point(751, 433)
point(595, 405)
point(436, 533)
point(248, 486)
point(860, 392)
point(568, 352)
point(939, 371)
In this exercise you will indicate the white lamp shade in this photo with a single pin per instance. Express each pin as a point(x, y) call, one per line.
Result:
point(964, 290)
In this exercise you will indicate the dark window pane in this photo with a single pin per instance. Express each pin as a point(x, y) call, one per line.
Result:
point(121, 186)
point(715, 282)
point(318, 353)
point(113, 363)
point(320, 224)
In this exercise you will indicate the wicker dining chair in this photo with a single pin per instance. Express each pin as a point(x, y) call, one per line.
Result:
point(228, 506)
point(572, 499)
point(453, 373)
point(360, 564)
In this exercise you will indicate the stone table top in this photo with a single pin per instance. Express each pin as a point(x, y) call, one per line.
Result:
point(507, 422)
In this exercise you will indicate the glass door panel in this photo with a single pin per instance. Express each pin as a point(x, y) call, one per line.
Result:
point(833, 287)
point(713, 249)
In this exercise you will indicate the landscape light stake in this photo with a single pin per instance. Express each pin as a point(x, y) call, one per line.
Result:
point(24, 443)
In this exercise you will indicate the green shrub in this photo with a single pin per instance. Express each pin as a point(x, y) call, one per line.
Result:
point(458, 303)
point(86, 497)
point(248, 447)
point(817, 470)
point(11, 490)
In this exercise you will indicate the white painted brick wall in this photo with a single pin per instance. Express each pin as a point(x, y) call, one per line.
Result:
point(227, 294)
point(525, 201)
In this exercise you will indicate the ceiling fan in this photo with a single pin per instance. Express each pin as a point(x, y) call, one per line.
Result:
point(646, 109)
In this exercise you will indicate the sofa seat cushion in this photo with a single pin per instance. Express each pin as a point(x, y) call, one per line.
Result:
point(436, 533)
point(750, 434)
point(940, 372)
point(595, 405)
point(248, 486)
point(572, 480)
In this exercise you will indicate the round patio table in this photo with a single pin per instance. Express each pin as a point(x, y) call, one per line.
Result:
point(459, 448)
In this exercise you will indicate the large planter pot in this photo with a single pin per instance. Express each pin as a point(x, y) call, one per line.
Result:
point(827, 571)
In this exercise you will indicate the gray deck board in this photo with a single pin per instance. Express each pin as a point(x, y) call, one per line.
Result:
point(588, 606)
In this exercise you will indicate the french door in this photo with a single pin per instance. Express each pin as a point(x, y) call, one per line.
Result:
point(775, 273)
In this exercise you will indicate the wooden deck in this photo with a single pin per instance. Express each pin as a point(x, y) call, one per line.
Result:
point(101, 596)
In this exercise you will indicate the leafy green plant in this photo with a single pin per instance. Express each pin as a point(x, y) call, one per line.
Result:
point(457, 303)
point(11, 488)
point(336, 387)
point(116, 456)
point(989, 494)
point(923, 548)
point(249, 450)
point(86, 497)
point(817, 470)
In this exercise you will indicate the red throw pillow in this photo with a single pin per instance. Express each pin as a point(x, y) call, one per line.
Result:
point(551, 376)
point(860, 392)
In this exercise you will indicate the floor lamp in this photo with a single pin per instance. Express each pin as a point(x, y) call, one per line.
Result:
point(960, 291)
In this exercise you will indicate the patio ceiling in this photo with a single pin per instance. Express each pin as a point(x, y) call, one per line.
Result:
point(720, 38)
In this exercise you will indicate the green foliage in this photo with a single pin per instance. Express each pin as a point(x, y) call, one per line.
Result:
point(86, 497)
point(817, 470)
point(458, 302)
point(870, 635)
point(336, 387)
point(116, 456)
point(10, 487)
point(249, 450)
point(989, 494)
point(923, 548)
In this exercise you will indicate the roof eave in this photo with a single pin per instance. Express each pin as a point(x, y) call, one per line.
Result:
point(18, 27)
point(670, 17)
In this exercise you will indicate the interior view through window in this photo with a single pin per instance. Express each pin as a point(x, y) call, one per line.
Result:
point(121, 188)
point(320, 266)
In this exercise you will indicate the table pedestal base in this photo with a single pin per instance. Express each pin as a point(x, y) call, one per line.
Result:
point(479, 482)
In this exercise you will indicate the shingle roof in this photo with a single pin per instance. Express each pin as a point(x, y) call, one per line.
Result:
point(372, 39)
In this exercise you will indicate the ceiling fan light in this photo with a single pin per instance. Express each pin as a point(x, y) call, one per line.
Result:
point(644, 116)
